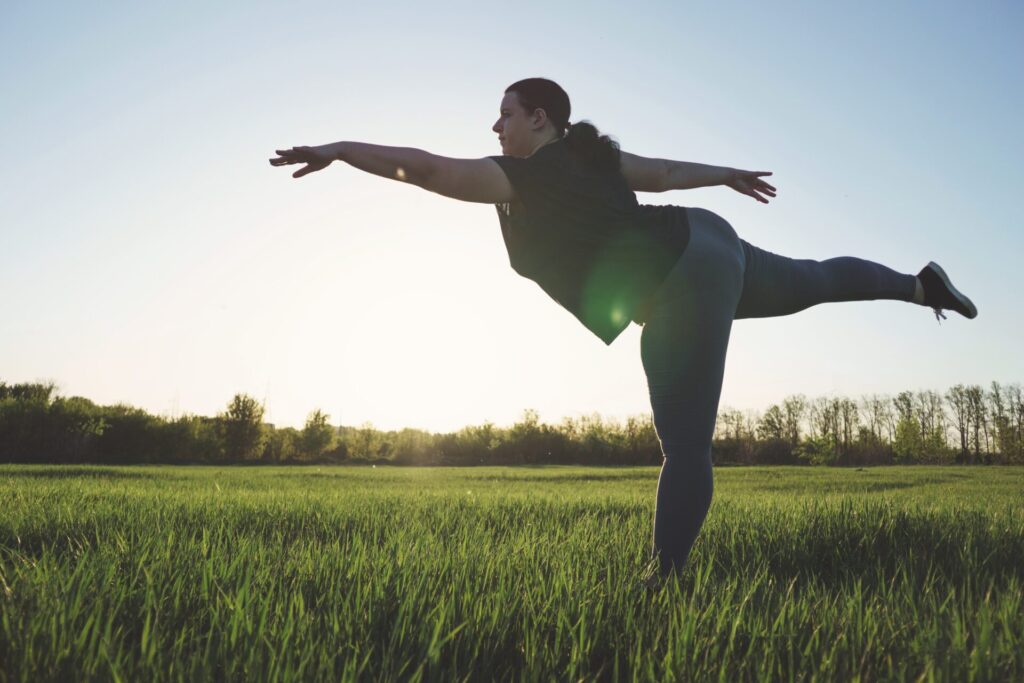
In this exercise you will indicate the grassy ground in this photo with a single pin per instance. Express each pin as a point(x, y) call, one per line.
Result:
point(198, 573)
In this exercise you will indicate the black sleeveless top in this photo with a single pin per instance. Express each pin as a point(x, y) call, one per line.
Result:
point(580, 234)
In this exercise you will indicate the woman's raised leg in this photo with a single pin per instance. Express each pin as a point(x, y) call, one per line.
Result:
point(776, 285)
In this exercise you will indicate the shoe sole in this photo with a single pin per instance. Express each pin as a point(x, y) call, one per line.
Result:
point(968, 305)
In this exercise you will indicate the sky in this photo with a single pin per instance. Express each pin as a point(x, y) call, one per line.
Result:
point(150, 255)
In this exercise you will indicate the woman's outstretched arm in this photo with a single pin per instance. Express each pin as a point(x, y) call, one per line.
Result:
point(471, 180)
point(661, 175)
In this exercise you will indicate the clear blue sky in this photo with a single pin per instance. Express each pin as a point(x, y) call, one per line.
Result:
point(149, 253)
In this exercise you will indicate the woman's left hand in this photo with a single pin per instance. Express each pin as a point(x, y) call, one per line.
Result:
point(315, 158)
point(750, 184)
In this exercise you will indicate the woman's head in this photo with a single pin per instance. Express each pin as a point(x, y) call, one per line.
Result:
point(535, 111)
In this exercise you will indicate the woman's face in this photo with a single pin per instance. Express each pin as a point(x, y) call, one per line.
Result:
point(514, 129)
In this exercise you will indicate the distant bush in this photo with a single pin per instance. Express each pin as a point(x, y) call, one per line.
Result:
point(37, 425)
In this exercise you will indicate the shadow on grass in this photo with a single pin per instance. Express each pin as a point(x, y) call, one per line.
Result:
point(566, 477)
point(75, 472)
point(869, 544)
point(839, 487)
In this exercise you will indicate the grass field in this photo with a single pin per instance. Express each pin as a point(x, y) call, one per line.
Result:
point(306, 573)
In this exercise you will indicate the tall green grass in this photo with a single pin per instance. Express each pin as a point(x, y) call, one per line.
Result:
point(191, 574)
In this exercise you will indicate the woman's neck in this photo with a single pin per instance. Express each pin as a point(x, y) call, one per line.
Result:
point(547, 142)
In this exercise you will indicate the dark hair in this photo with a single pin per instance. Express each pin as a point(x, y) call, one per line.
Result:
point(584, 140)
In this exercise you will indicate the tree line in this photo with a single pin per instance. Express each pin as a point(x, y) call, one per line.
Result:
point(967, 424)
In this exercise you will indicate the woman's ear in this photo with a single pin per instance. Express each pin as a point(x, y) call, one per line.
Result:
point(539, 118)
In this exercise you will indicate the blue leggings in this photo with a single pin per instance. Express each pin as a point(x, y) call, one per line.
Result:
point(718, 279)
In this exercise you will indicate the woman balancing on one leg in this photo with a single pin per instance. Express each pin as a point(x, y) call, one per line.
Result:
point(571, 222)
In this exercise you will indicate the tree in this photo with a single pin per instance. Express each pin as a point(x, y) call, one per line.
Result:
point(525, 439)
point(772, 424)
point(907, 441)
point(416, 447)
point(129, 435)
point(849, 418)
point(817, 450)
point(773, 445)
point(824, 415)
point(794, 408)
point(316, 435)
point(281, 445)
point(364, 441)
point(956, 397)
point(731, 424)
point(71, 428)
point(932, 417)
point(976, 409)
point(41, 392)
point(191, 438)
point(736, 431)
point(1015, 410)
point(1001, 424)
point(873, 438)
point(243, 427)
point(907, 445)
point(872, 407)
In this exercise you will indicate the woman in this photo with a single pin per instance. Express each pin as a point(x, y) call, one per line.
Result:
point(571, 222)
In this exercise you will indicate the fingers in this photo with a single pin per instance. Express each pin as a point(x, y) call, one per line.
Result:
point(750, 184)
point(755, 179)
point(299, 155)
point(753, 192)
point(307, 169)
point(760, 185)
point(294, 155)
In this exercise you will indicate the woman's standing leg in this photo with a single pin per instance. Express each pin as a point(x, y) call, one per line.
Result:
point(683, 349)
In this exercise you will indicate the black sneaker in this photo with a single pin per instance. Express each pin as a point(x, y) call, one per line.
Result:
point(939, 293)
point(651, 580)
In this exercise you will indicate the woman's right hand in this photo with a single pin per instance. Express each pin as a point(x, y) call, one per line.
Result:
point(315, 158)
point(750, 184)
